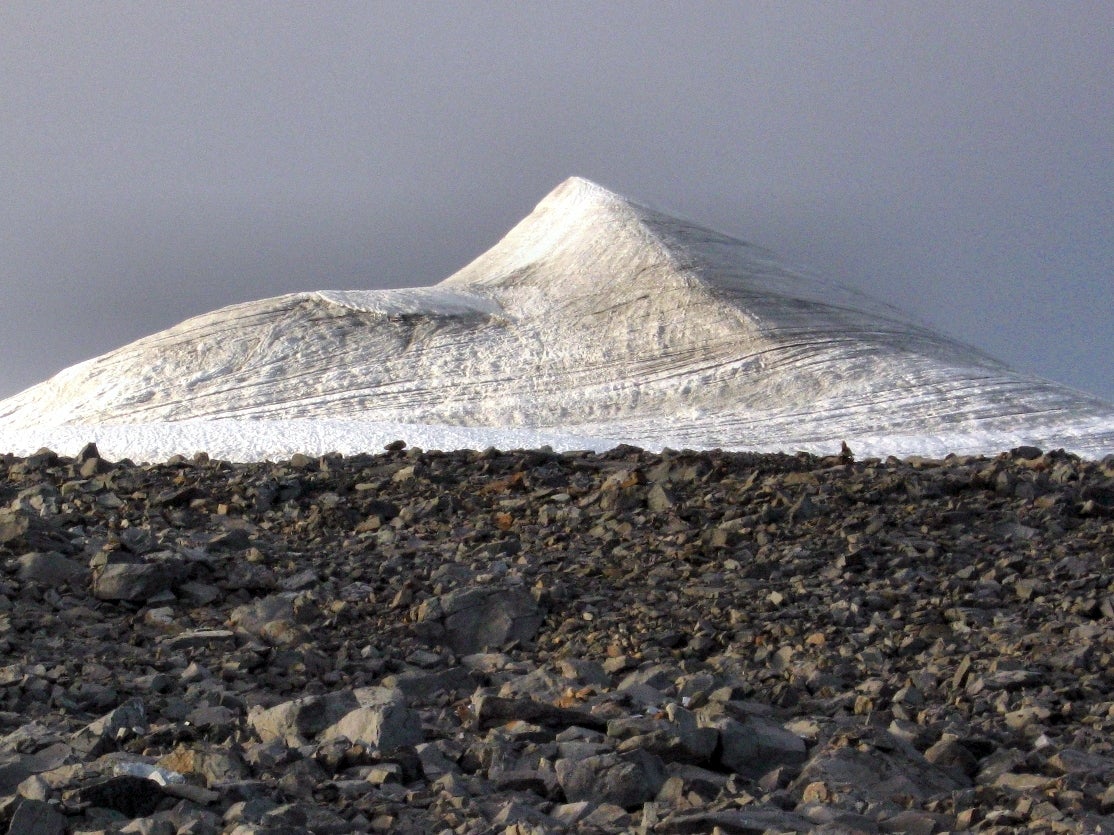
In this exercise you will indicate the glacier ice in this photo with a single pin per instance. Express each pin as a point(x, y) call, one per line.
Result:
point(594, 321)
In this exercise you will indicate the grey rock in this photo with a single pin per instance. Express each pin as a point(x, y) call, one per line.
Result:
point(383, 721)
point(422, 685)
point(301, 581)
point(195, 794)
point(1000, 762)
point(434, 763)
point(606, 817)
point(569, 814)
point(915, 822)
point(835, 819)
point(89, 452)
point(123, 576)
point(626, 780)
point(26, 531)
point(472, 620)
point(111, 729)
point(752, 747)
point(578, 749)
point(872, 765)
point(584, 671)
point(515, 813)
point(540, 684)
point(674, 735)
point(644, 695)
point(210, 763)
point(755, 820)
point(150, 825)
point(536, 781)
point(50, 568)
point(199, 638)
point(658, 499)
point(249, 811)
point(304, 817)
point(950, 753)
point(1075, 761)
point(852, 596)
point(211, 717)
point(198, 594)
point(12, 772)
point(1023, 781)
point(35, 817)
point(298, 721)
point(657, 676)
point(276, 619)
point(489, 711)
point(34, 787)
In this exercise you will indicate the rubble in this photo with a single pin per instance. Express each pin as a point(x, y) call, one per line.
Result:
point(525, 642)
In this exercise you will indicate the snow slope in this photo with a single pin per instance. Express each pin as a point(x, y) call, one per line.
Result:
point(594, 321)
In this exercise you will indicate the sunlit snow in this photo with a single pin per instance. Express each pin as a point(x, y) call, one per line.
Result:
point(595, 321)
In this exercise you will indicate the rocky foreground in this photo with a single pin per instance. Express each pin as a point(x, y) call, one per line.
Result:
point(528, 642)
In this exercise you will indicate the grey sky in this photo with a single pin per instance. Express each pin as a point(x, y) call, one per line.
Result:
point(160, 160)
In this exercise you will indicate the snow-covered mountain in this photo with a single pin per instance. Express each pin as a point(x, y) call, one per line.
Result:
point(594, 317)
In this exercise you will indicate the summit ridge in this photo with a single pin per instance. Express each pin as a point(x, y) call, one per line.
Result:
point(594, 316)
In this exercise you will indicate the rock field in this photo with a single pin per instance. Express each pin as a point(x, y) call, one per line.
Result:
point(526, 642)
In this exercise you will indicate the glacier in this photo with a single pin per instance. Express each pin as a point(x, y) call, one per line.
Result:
point(595, 321)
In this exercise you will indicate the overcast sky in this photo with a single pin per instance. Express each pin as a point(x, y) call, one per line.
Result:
point(158, 160)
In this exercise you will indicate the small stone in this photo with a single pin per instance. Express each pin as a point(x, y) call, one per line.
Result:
point(384, 773)
point(34, 788)
point(200, 638)
point(952, 754)
point(1022, 782)
point(658, 499)
point(1026, 716)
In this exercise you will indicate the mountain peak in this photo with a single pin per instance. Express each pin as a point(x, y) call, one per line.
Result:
point(579, 230)
point(578, 190)
point(578, 200)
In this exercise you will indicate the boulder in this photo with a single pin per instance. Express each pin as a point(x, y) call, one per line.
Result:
point(122, 576)
point(50, 568)
point(626, 780)
point(36, 817)
point(474, 619)
point(752, 747)
point(298, 721)
point(111, 729)
point(275, 618)
point(382, 721)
